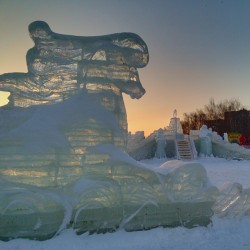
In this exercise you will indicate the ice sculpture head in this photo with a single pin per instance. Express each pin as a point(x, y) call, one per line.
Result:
point(39, 29)
point(61, 65)
point(117, 56)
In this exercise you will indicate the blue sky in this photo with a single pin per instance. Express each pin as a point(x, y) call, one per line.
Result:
point(199, 49)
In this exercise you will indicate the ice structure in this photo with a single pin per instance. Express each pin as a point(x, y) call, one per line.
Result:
point(139, 147)
point(232, 200)
point(174, 126)
point(62, 140)
point(205, 138)
point(209, 143)
point(161, 144)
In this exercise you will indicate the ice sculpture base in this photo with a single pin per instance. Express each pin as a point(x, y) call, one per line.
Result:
point(125, 195)
point(21, 225)
point(102, 220)
point(145, 218)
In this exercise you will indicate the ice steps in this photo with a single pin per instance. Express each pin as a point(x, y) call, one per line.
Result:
point(184, 150)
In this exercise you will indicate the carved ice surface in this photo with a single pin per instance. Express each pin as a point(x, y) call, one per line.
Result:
point(161, 145)
point(62, 137)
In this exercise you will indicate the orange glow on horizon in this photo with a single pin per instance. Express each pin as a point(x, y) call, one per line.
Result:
point(4, 95)
point(137, 121)
point(147, 124)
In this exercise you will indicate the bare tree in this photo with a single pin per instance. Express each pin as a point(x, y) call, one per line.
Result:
point(211, 111)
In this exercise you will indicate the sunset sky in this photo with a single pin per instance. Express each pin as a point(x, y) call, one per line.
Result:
point(199, 49)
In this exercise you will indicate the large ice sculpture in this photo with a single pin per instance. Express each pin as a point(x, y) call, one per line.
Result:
point(62, 137)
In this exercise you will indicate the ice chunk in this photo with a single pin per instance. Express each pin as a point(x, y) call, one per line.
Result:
point(185, 182)
point(233, 200)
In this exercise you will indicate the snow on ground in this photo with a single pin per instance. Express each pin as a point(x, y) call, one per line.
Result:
point(222, 233)
point(220, 171)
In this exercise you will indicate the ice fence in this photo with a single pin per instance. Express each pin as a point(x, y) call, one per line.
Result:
point(62, 141)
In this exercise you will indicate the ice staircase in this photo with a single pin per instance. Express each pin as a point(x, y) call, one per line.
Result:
point(184, 149)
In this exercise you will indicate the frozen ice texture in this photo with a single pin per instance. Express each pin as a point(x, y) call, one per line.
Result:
point(205, 141)
point(59, 66)
point(141, 148)
point(161, 144)
point(224, 149)
point(175, 125)
point(232, 201)
point(62, 140)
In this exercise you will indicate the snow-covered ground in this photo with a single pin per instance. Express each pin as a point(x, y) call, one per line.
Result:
point(222, 233)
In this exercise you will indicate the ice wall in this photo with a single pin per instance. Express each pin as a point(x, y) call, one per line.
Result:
point(225, 149)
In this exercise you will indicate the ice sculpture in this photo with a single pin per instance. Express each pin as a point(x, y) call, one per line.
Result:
point(139, 147)
point(175, 127)
point(233, 201)
point(62, 137)
point(161, 144)
point(205, 141)
point(224, 149)
point(209, 143)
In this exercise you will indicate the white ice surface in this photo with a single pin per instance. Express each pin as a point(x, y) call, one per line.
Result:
point(223, 233)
